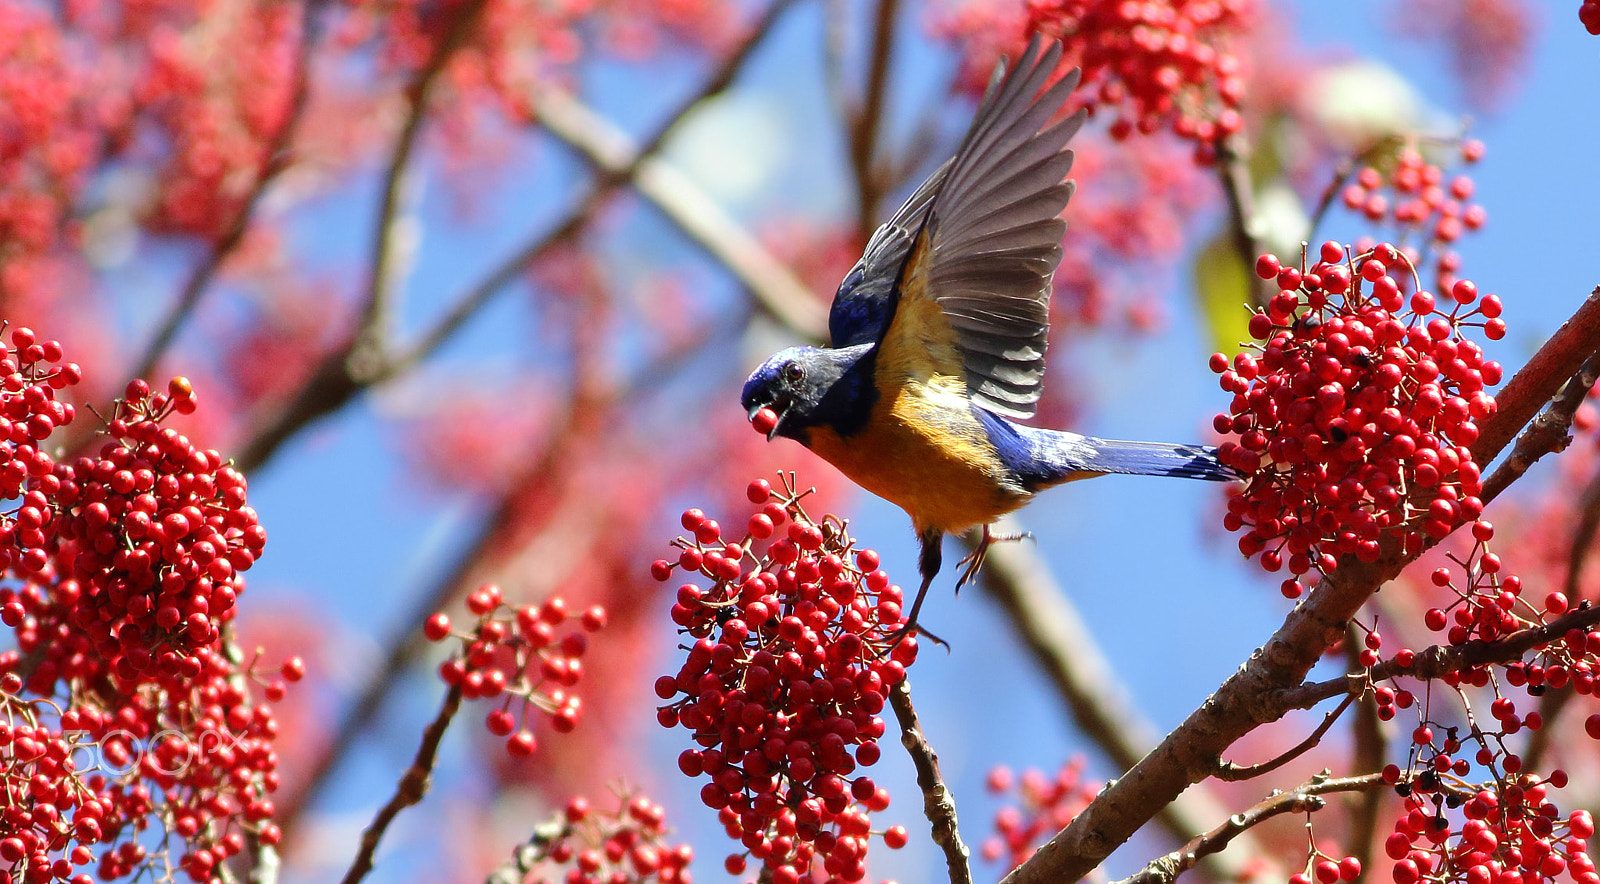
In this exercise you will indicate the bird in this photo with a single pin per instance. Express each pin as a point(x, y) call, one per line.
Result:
point(938, 337)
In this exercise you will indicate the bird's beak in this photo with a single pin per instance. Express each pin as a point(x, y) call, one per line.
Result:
point(779, 408)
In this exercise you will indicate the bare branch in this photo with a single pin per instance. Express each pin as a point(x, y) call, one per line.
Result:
point(1304, 799)
point(412, 786)
point(1227, 770)
point(276, 160)
point(1370, 750)
point(937, 802)
point(866, 123)
point(1537, 381)
point(1233, 168)
point(377, 307)
point(1068, 652)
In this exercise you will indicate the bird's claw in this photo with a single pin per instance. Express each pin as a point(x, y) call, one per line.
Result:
point(973, 562)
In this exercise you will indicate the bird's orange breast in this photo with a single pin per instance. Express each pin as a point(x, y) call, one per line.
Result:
point(923, 450)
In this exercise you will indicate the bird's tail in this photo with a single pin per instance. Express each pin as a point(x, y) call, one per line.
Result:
point(1155, 459)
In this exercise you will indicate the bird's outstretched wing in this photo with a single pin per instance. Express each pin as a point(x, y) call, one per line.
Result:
point(864, 302)
point(972, 297)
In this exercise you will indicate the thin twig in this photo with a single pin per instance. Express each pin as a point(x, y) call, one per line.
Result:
point(866, 123)
point(937, 802)
point(377, 306)
point(1233, 168)
point(1437, 661)
point(1230, 772)
point(1304, 799)
point(409, 790)
point(1555, 700)
point(527, 855)
point(1341, 175)
point(1370, 747)
point(1550, 432)
point(276, 160)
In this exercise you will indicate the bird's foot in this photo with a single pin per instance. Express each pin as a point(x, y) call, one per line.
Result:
point(974, 560)
point(900, 634)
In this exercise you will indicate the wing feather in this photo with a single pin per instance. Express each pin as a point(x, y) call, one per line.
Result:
point(982, 239)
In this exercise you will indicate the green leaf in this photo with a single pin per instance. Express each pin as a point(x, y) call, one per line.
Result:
point(1222, 286)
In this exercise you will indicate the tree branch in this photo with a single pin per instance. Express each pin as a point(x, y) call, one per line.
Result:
point(277, 159)
point(1067, 651)
point(865, 123)
point(377, 307)
point(1551, 431)
point(1304, 799)
point(340, 377)
point(412, 786)
point(937, 802)
point(1243, 701)
point(1230, 772)
point(1233, 169)
point(1555, 700)
point(1437, 661)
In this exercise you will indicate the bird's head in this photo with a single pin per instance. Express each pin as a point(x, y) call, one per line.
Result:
point(798, 388)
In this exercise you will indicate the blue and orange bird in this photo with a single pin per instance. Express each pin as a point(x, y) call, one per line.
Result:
point(939, 338)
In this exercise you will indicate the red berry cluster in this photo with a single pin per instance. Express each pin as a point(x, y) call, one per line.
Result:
point(1158, 65)
point(513, 653)
point(1510, 832)
point(784, 684)
point(1354, 414)
point(192, 754)
point(1589, 14)
point(625, 846)
point(1421, 203)
point(147, 540)
point(1324, 869)
point(120, 570)
point(1048, 805)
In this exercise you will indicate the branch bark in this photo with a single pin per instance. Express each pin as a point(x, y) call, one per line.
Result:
point(937, 802)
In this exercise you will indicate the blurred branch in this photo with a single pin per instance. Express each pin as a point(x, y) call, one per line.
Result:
point(1253, 695)
point(530, 853)
point(1550, 432)
point(937, 802)
point(341, 375)
point(1042, 614)
point(1230, 772)
point(865, 122)
point(1233, 169)
point(577, 428)
point(775, 288)
point(412, 786)
point(1304, 799)
point(1555, 700)
point(1370, 750)
point(276, 160)
point(374, 328)
point(617, 162)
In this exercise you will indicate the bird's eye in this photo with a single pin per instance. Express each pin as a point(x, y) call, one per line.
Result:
point(793, 372)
